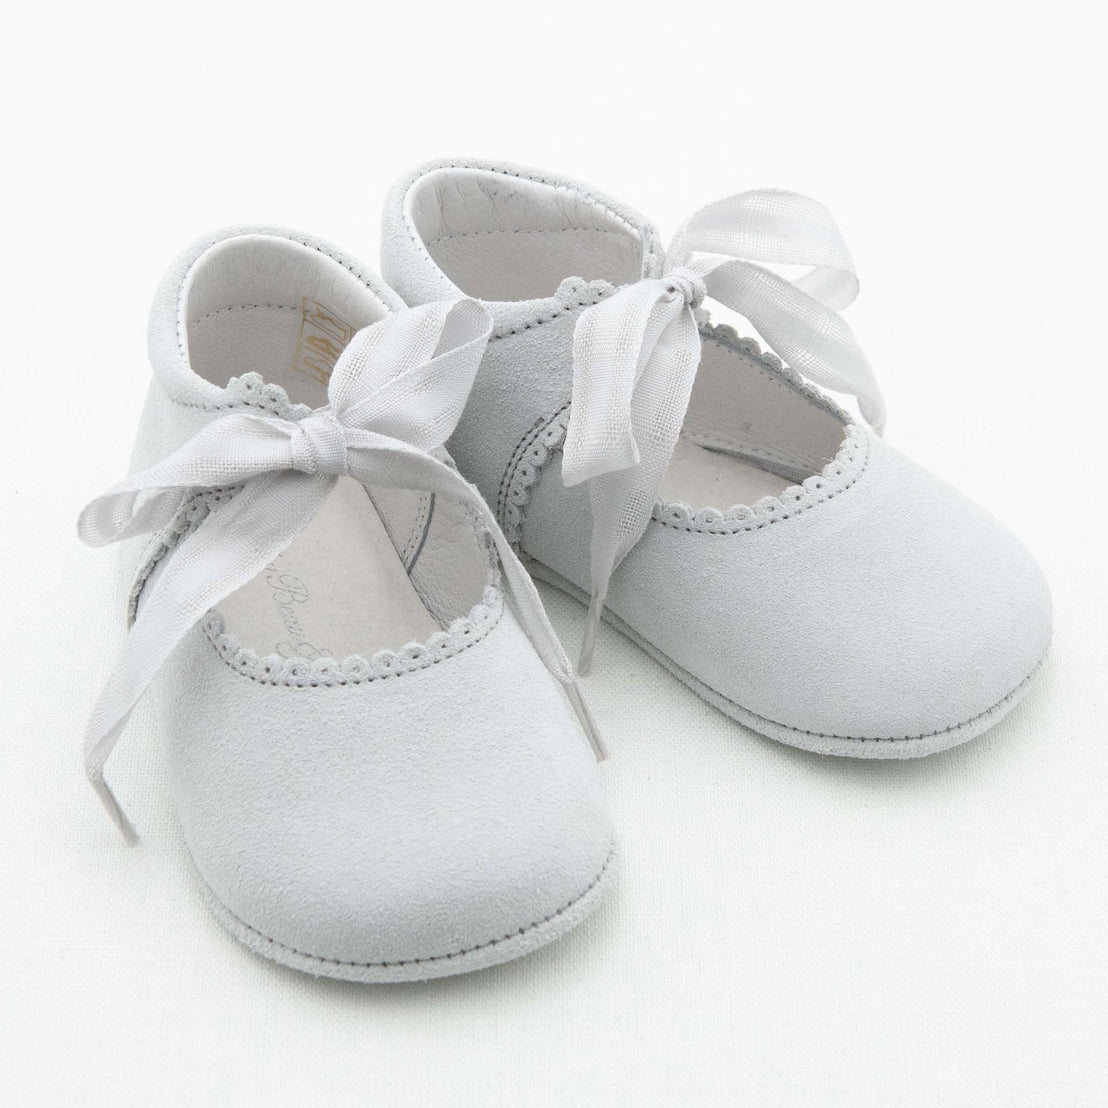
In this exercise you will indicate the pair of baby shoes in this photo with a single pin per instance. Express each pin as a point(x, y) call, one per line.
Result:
point(379, 752)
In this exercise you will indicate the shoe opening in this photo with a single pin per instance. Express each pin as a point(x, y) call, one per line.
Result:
point(266, 304)
point(499, 236)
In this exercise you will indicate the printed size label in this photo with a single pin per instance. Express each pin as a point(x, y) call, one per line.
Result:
point(323, 337)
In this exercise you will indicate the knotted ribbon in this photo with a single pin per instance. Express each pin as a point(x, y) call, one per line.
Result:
point(635, 354)
point(396, 393)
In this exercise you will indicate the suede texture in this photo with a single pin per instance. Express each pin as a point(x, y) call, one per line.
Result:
point(405, 819)
point(399, 828)
point(895, 610)
point(895, 615)
point(533, 362)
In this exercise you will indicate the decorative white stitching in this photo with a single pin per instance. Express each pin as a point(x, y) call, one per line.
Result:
point(645, 233)
point(529, 231)
point(251, 391)
point(355, 669)
point(272, 669)
point(533, 452)
point(195, 508)
point(525, 470)
point(573, 293)
point(431, 957)
point(835, 477)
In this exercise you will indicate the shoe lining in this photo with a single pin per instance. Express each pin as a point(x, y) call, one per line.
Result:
point(496, 236)
point(701, 477)
point(508, 238)
point(272, 306)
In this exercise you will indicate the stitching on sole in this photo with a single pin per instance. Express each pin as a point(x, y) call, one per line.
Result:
point(860, 739)
point(896, 738)
point(696, 684)
point(434, 958)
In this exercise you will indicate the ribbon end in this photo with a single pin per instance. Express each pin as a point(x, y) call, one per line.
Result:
point(877, 420)
point(588, 640)
point(588, 723)
point(111, 805)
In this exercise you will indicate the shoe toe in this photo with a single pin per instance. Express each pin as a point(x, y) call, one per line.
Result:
point(401, 828)
point(892, 619)
point(904, 615)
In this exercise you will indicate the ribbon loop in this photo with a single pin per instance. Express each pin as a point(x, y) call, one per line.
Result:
point(395, 394)
point(635, 354)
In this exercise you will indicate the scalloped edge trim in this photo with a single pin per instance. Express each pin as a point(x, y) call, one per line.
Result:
point(272, 669)
point(835, 477)
point(251, 391)
point(248, 391)
point(513, 317)
point(195, 508)
point(355, 669)
point(526, 466)
point(753, 349)
point(534, 450)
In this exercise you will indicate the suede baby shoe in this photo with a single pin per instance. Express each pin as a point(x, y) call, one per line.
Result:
point(374, 758)
point(715, 504)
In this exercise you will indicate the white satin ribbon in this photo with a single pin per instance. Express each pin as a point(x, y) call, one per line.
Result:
point(396, 393)
point(635, 354)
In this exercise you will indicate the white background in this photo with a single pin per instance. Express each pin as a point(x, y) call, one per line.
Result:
point(789, 930)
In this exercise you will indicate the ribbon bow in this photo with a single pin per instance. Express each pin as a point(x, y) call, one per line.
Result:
point(635, 354)
point(396, 393)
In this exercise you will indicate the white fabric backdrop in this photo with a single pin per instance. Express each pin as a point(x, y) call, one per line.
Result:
point(789, 930)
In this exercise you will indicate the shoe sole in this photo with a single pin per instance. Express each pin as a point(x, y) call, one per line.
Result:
point(490, 953)
point(912, 746)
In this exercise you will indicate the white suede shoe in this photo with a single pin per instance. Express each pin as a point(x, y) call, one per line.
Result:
point(775, 555)
point(376, 771)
